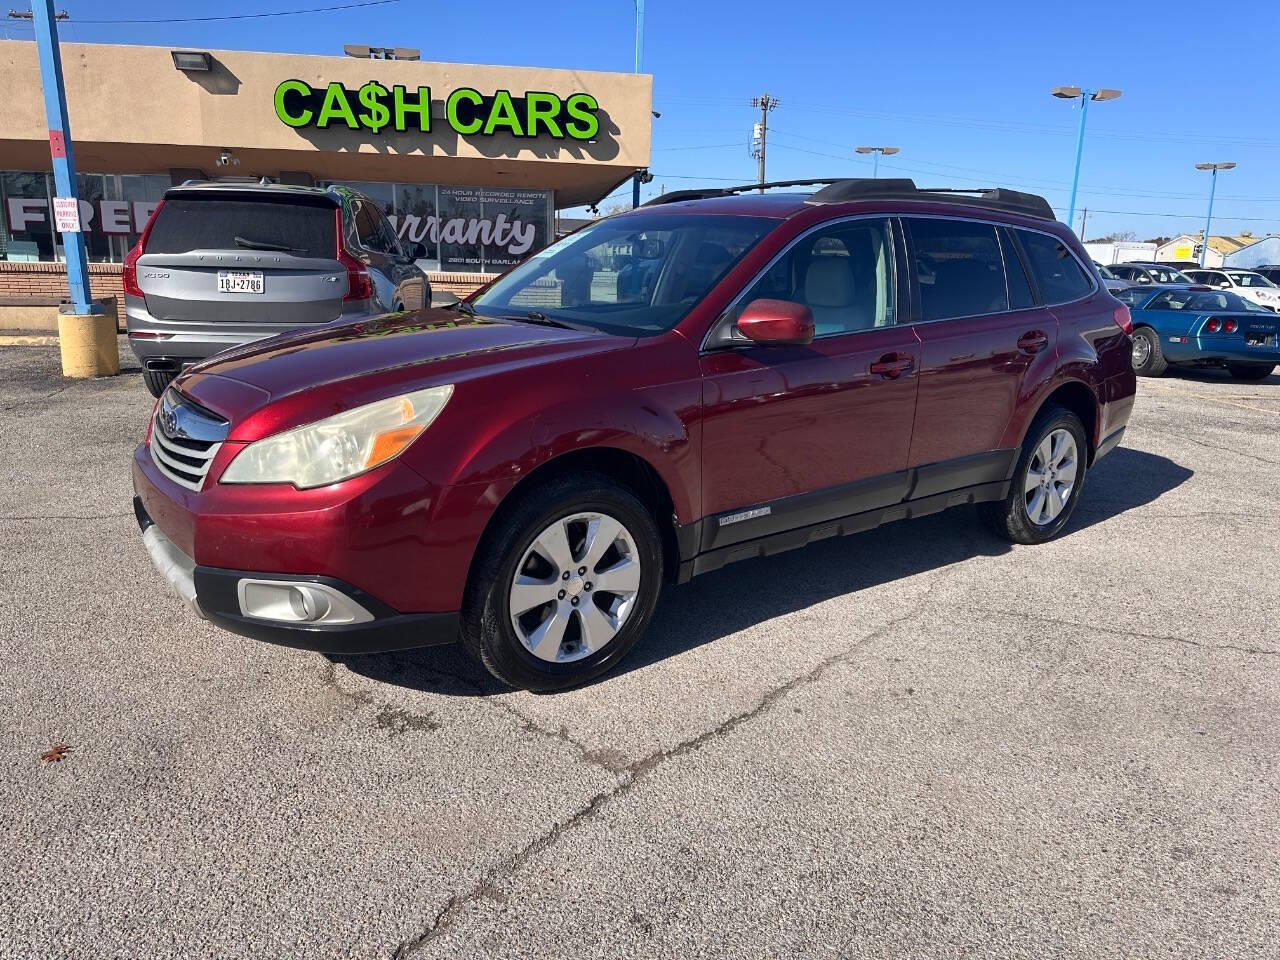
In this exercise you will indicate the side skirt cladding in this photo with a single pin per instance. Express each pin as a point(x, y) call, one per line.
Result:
point(792, 522)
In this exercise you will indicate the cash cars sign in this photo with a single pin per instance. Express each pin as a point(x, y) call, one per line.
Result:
point(467, 112)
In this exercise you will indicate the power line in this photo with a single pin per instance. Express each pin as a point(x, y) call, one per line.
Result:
point(700, 146)
point(248, 16)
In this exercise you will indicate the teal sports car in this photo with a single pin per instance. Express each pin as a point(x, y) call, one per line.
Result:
point(1193, 328)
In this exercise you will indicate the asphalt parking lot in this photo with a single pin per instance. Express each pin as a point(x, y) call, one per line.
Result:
point(917, 742)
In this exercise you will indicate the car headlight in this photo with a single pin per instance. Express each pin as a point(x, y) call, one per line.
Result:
point(340, 446)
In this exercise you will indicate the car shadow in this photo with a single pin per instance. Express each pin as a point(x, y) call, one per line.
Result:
point(753, 591)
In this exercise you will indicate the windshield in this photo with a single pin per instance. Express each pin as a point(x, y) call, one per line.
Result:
point(1250, 279)
point(634, 275)
point(1106, 272)
point(1194, 302)
point(1167, 275)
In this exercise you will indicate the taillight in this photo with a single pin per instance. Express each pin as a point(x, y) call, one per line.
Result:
point(1122, 318)
point(1228, 326)
point(359, 282)
point(1212, 325)
point(129, 275)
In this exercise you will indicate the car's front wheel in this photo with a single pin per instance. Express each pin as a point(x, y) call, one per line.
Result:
point(564, 584)
point(1252, 372)
point(1046, 482)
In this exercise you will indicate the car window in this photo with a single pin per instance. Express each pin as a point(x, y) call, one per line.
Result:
point(1167, 275)
point(636, 275)
point(1249, 279)
point(1058, 274)
point(368, 231)
point(1132, 296)
point(387, 234)
point(843, 273)
point(1020, 297)
point(959, 269)
point(303, 228)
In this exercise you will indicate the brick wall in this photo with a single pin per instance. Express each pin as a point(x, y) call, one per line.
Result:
point(49, 281)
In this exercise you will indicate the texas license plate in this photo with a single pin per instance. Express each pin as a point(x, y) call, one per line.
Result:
point(240, 281)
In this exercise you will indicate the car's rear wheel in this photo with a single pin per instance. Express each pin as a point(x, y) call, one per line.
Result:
point(157, 380)
point(1250, 371)
point(1147, 357)
point(564, 585)
point(1047, 481)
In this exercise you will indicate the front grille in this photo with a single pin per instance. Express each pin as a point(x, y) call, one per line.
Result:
point(184, 440)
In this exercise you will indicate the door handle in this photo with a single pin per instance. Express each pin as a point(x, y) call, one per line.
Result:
point(1033, 341)
point(892, 365)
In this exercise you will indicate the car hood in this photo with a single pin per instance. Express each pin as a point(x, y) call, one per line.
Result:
point(307, 375)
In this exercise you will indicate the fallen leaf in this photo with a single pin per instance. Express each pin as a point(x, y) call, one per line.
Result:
point(55, 753)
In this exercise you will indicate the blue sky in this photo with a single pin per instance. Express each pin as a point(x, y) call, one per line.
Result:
point(962, 89)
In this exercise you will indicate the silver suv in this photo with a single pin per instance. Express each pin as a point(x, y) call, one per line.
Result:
point(223, 263)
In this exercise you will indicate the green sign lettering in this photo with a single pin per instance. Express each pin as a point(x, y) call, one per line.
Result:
point(302, 117)
point(460, 96)
point(422, 108)
point(582, 107)
point(468, 112)
point(335, 105)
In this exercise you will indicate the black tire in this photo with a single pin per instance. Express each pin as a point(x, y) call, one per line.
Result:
point(157, 380)
point(1009, 518)
point(1154, 364)
point(486, 629)
point(1253, 372)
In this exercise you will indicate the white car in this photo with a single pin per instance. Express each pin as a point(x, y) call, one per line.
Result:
point(1252, 286)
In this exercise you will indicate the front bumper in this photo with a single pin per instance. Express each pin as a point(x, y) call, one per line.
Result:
point(217, 594)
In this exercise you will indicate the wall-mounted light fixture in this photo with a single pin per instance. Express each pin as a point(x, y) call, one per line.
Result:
point(192, 61)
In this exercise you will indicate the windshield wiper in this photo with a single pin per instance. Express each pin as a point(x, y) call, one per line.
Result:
point(543, 320)
point(462, 307)
point(266, 245)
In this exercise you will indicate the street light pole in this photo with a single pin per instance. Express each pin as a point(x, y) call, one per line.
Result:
point(635, 183)
point(876, 152)
point(64, 166)
point(1213, 183)
point(1084, 96)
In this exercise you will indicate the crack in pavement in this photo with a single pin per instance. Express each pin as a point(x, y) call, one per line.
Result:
point(47, 396)
point(1215, 446)
point(1128, 634)
point(487, 887)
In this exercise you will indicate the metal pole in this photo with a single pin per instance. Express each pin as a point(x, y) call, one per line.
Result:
point(875, 165)
point(635, 182)
point(764, 136)
point(64, 167)
point(1085, 95)
point(1204, 247)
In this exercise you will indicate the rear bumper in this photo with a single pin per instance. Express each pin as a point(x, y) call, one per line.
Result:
point(1217, 350)
point(215, 594)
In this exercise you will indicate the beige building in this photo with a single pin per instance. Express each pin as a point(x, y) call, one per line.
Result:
point(439, 146)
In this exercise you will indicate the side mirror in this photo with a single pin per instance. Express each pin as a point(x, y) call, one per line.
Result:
point(776, 323)
point(1143, 278)
point(1224, 285)
point(415, 251)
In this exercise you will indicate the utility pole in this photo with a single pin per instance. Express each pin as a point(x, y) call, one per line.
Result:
point(1084, 218)
point(765, 103)
point(635, 181)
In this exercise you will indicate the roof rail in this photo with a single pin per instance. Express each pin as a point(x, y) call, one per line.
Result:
point(992, 198)
point(703, 193)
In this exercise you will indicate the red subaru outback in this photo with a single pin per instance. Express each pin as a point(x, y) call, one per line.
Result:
point(712, 377)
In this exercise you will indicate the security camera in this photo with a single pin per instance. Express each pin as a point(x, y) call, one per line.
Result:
point(227, 159)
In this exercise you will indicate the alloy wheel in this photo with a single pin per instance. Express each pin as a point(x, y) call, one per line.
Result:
point(575, 587)
point(1141, 351)
point(1051, 477)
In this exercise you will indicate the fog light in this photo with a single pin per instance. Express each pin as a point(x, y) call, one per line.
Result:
point(291, 601)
